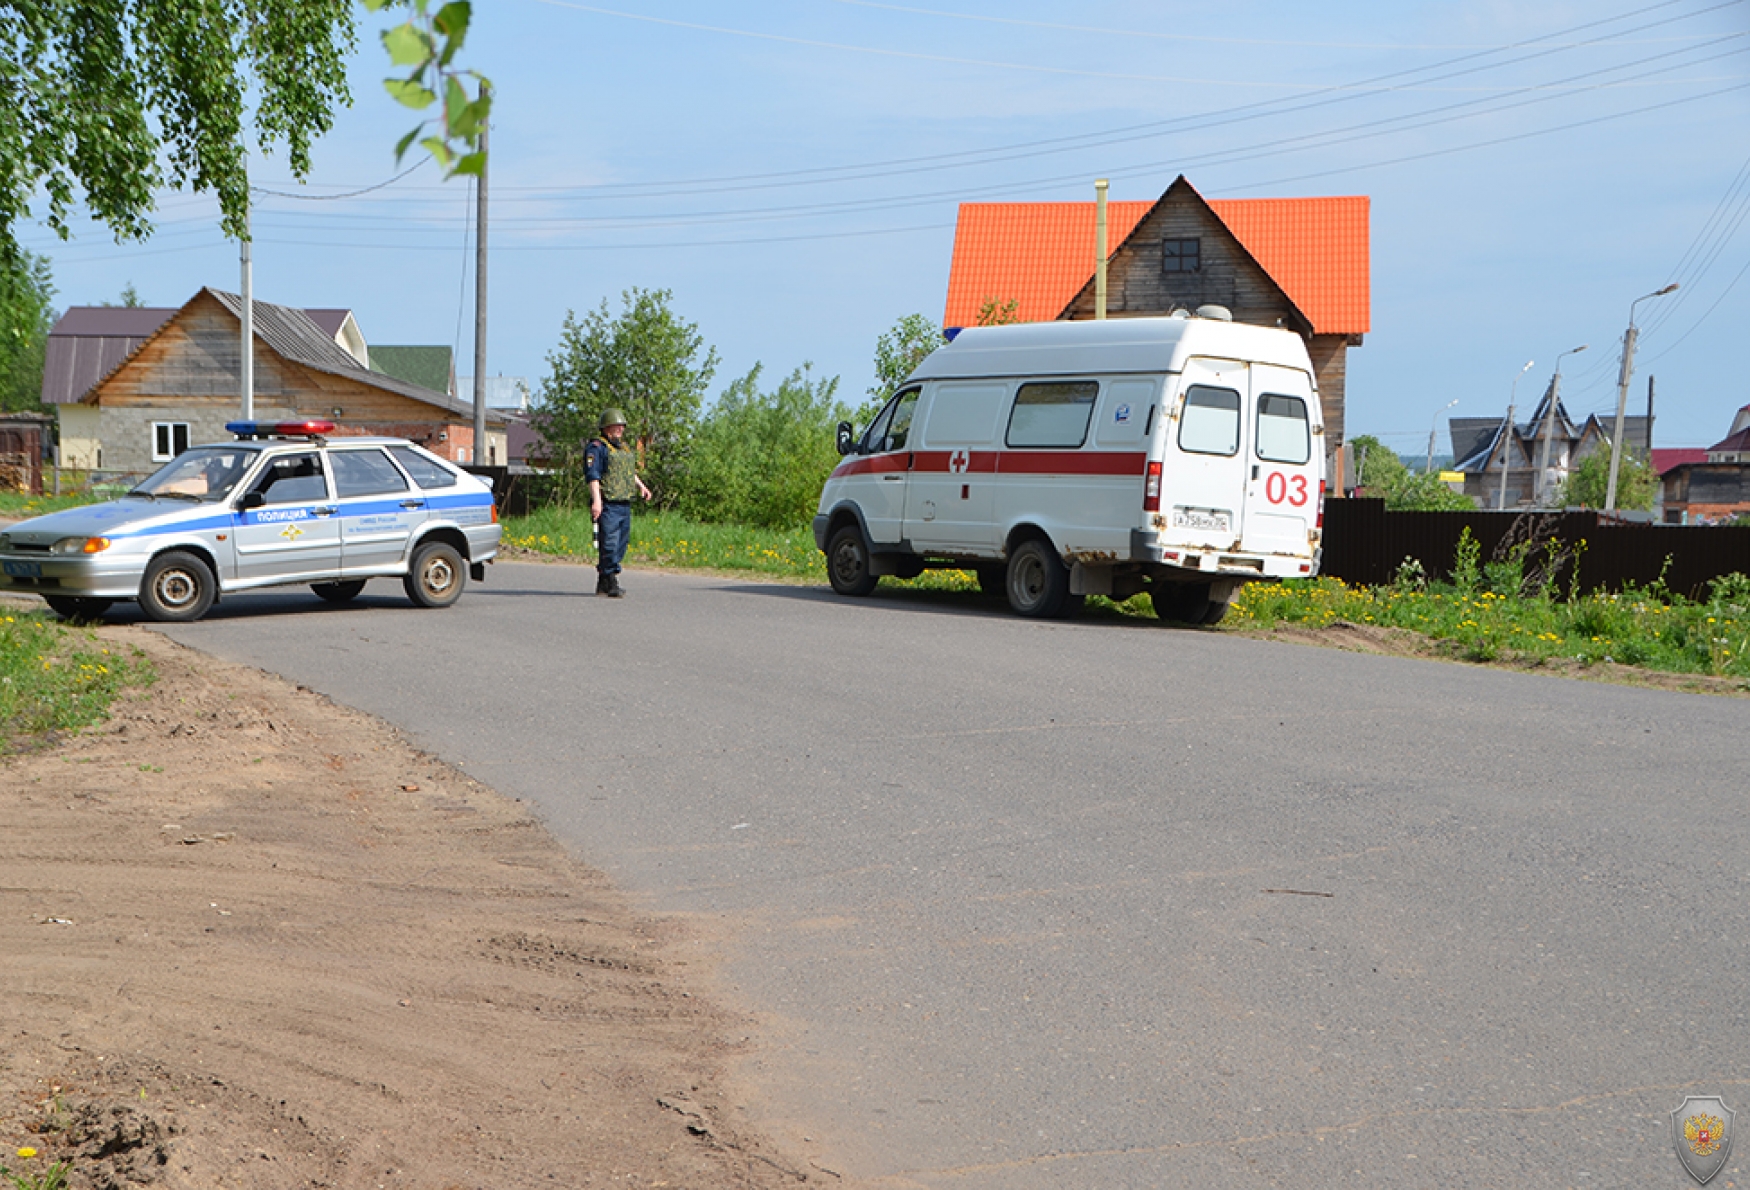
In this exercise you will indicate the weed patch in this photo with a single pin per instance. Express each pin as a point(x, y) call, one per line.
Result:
point(54, 677)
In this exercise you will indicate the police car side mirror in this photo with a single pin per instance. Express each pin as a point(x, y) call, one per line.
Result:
point(251, 500)
point(847, 438)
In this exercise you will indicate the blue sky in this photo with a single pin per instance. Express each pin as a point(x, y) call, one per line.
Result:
point(791, 170)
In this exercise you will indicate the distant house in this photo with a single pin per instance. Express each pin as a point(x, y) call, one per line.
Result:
point(128, 401)
point(1300, 263)
point(1716, 488)
point(1537, 453)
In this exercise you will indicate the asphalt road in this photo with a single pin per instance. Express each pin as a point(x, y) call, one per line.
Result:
point(1089, 904)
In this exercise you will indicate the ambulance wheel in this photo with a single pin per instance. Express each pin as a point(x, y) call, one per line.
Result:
point(1217, 609)
point(1038, 581)
point(993, 579)
point(436, 577)
point(77, 607)
point(1186, 603)
point(178, 587)
point(847, 563)
point(344, 592)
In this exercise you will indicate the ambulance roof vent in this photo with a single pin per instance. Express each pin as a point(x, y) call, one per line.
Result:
point(1218, 313)
point(1179, 312)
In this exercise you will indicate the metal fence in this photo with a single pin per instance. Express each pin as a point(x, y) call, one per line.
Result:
point(1365, 544)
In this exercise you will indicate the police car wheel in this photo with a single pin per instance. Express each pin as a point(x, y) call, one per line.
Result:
point(344, 592)
point(1186, 603)
point(77, 607)
point(1038, 581)
point(178, 587)
point(437, 575)
point(847, 563)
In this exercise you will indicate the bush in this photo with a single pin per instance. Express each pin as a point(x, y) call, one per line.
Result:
point(759, 458)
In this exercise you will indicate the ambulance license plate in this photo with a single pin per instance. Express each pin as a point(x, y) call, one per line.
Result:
point(1212, 520)
point(24, 569)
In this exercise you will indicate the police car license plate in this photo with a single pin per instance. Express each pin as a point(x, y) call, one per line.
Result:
point(24, 569)
point(1210, 519)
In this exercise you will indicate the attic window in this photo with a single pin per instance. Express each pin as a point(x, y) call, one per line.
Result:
point(1180, 256)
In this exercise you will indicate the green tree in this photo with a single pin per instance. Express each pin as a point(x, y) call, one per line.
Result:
point(1383, 474)
point(647, 362)
point(897, 352)
point(427, 43)
point(101, 104)
point(26, 314)
point(130, 298)
point(1588, 483)
point(759, 458)
point(992, 312)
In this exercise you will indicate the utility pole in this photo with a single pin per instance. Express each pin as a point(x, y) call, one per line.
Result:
point(248, 354)
point(1507, 435)
point(481, 456)
point(1649, 418)
point(1099, 248)
point(1433, 426)
point(1549, 415)
point(1628, 368)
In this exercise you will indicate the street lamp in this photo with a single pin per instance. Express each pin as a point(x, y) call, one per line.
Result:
point(1431, 428)
point(1628, 367)
point(1549, 414)
point(1507, 435)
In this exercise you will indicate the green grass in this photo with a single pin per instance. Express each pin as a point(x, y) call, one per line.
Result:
point(20, 506)
point(1649, 627)
point(57, 677)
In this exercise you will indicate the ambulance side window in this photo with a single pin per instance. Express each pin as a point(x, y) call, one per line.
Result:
point(1052, 415)
point(892, 429)
point(1210, 424)
point(1283, 435)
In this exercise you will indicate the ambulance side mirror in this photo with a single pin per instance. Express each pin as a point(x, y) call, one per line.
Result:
point(847, 438)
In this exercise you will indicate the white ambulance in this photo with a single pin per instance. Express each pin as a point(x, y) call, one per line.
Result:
point(1181, 456)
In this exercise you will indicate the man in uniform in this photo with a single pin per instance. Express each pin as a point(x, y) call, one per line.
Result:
point(611, 467)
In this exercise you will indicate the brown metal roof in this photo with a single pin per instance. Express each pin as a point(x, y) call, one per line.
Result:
point(294, 335)
point(89, 343)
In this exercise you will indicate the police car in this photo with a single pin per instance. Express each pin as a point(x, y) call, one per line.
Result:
point(283, 504)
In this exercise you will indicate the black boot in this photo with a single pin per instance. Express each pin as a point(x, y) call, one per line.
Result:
point(614, 590)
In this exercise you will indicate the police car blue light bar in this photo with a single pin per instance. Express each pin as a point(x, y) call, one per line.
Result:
point(280, 429)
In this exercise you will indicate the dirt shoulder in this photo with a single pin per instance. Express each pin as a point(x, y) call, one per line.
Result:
point(253, 938)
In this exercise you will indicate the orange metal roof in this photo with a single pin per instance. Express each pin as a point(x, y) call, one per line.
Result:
point(1040, 254)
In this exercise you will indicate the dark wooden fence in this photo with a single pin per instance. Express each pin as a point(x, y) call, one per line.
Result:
point(1366, 544)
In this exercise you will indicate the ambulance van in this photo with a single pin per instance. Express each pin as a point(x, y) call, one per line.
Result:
point(1182, 456)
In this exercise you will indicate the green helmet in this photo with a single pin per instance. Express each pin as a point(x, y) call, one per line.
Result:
point(611, 417)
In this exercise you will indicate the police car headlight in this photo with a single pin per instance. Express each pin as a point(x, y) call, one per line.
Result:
point(80, 545)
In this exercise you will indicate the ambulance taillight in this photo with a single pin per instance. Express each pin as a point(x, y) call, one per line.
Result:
point(1151, 490)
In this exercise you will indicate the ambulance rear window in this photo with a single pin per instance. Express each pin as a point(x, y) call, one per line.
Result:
point(1048, 415)
point(1210, 424)
point(1283, 436)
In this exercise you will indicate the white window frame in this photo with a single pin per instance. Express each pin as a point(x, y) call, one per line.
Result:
point(168, 429)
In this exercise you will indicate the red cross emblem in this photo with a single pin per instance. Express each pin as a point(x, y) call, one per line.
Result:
point(959, 461)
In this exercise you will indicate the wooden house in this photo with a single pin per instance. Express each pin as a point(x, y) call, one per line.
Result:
point(1300, 263)
point(180, 384)
point(1715, 489)
point(1536, 454)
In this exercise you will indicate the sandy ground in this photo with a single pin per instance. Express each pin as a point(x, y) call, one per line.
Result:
point(249, 938)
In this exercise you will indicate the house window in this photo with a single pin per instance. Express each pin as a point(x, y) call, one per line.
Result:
point(169, 439)
point(1180, 256)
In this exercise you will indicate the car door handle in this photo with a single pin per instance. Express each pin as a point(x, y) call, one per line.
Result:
point(325, 510)
point(413, 504)
point(893, 475)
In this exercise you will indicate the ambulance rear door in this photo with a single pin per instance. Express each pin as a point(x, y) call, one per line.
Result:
point(1282, 497)
point(1205, 451)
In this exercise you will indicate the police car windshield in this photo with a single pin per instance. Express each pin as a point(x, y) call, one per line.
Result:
point(205, 473)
